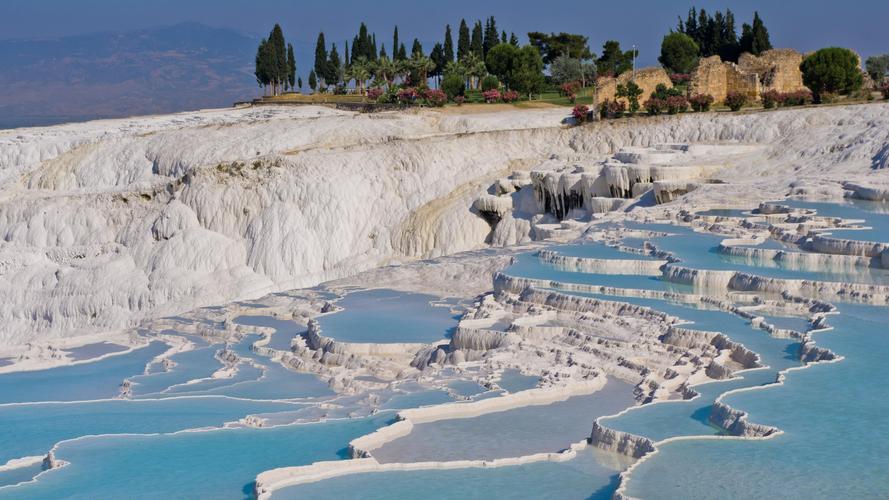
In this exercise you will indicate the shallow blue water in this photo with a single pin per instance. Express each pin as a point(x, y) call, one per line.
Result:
point(832, 416)
point(725, 212)
point(594, 250)
point(875, 215)
point(513, 381)
point(527, 265)
point(190, 365)
point(91, 380)
point(218, 464)
point(95, 350)
point(32, 429)
point(285, 330)
point(590, 476)
point(389, 316)
point(510, 433)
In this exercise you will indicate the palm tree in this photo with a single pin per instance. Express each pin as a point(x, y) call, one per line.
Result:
point(475, 68)
point(422, 65)
point(403, 68)
point(385, 69)
point(360, 72)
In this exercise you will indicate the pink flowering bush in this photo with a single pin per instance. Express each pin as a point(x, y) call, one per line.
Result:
point(735, 100)
point(581, 113)
point(459, 100)
point(701, 102)
point(676, 104)
point(435, 97)
point(655, 106)
point(509, 96)
point(374, 93)
point(772, 99)
point(408, 95)
point(491, 96)
point(796, 98)
point(613, 109)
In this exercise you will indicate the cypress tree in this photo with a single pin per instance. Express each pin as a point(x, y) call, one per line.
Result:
point(492, 37)
point(395, 44)
point(383, 51)
point(346, 62)
point(416, 49)
point(462, 40)
point(730, 49)
point(437, 56)
point(402, 53)
point(261, 70)
point(373, 48)
point(513, 40)
point(313, 80)
point(760, 35)
point(320, 57)
point(477, 45)
point(299, 82)
point(448, 45)
point(334, 67)
point(291, 67)
point(280, 69)
point(503, 38)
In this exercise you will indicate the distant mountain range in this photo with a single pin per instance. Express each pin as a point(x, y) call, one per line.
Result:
point(182, 67)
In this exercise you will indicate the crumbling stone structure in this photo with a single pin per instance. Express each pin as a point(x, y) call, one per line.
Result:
point(646, 78)
point(718, 78)
point(777, 69)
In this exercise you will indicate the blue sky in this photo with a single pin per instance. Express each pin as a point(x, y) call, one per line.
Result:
point(804, 25)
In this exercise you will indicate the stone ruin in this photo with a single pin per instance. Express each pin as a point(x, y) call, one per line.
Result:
point(646, 78)
point(776, 69)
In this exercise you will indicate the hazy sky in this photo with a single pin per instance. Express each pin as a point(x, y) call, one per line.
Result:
point(804, 25)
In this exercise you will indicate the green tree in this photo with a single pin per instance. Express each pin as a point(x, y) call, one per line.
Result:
point(299, 82)
point(503, 37)
point(566, 69)
point(448, 45)
point(553, 45)
point(291, 67)
point(334, 67)
point(615, 61)
point(500, 61)
point(877, 67)
point(755, 38)
point(477, 44)
point(631, 92)
point(395, 44)
point(492, 37)
point(831, 70)
point(402, 53)
point(679, 53)
point(527, 72)
point(416, 48)
point(463, 40)
point(454, 84)
point(437, 56)
point(280, 68)
point(383, 50)
point(320, 57)
point(513, 40)
point(313, 80)
point(346, 62)
point(262, 69)
point(385, 69)
point(474, 68)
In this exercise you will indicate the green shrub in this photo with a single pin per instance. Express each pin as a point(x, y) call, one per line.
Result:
point(832, 70)
point(490, 82)
point(453, 85)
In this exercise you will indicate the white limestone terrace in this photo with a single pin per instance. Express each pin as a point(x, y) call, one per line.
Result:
point(107, 224)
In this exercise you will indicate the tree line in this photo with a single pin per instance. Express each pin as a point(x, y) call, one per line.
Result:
point(275, 67)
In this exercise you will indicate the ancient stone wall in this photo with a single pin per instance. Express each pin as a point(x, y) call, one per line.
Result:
point(646, 78)
point(777, 69)
point(717, 78)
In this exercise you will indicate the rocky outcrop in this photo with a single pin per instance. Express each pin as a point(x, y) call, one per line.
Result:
point(735, 422)
point(620, 442)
